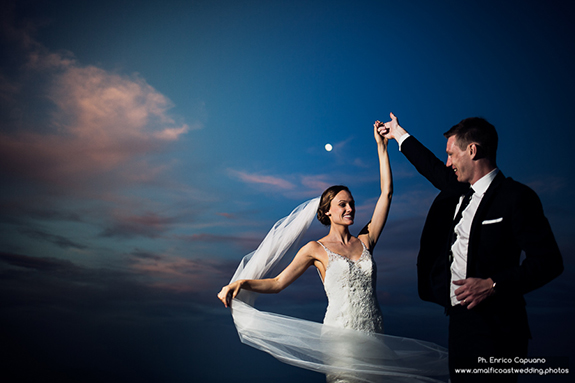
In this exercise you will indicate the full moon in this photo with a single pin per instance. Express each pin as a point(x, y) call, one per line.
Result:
point(328, 147)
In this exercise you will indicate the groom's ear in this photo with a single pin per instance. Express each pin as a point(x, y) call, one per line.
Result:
point(472, 150)
point(476, 152)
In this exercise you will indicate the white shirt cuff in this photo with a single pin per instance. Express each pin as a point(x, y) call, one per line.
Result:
point(401, 139)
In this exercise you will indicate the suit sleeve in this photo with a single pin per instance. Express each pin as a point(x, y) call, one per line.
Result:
point(431, 167)
point(532, 233)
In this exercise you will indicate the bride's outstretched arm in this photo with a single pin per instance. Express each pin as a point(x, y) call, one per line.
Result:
point(374, 228)
point(302, 260)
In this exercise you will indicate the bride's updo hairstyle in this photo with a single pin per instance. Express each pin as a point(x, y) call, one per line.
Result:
point(327, 196)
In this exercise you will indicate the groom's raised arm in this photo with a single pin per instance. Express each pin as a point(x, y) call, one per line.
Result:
point(425, 162)
point(431, 167)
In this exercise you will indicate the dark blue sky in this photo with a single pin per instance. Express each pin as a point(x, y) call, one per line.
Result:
point(146, 146)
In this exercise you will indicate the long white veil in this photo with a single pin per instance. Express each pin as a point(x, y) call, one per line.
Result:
point(348, 354)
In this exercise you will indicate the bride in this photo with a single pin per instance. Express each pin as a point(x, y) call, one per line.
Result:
point(349, 346)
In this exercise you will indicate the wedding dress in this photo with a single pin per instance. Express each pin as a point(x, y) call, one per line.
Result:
point(350, 289)
point(352, 301)
point(349, 345)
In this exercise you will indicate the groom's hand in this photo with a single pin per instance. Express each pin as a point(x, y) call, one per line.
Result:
point(473, 291)
point(390, 129)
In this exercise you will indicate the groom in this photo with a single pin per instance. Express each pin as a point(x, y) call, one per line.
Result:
point(469, 258)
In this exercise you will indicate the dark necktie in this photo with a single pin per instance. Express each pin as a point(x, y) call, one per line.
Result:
point(464, 203)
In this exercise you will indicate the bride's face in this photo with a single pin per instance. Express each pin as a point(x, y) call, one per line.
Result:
point(342, 209)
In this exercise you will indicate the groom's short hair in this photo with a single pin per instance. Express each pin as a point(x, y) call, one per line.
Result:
point(476, 130)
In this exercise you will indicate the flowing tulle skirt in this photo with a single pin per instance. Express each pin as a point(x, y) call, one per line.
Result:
point(363, 357)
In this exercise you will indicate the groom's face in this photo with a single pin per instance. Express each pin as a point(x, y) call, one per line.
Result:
point(459, 160)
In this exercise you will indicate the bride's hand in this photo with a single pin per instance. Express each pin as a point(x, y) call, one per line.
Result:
point(379, 136)
point(381, 128)
point(229, 292)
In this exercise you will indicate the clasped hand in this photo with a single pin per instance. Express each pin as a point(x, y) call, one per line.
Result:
point(473, 291)
point(390, 129)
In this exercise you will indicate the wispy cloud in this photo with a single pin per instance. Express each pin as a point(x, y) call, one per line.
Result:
point(266, 180)
point(128, 225)
point(243, 242)
point(35, 263)
point(547, 185)
point(316, 183)
point(410, 203)
point(57, 240)
point(178, 273)
point(297, 186)
point(146, 272)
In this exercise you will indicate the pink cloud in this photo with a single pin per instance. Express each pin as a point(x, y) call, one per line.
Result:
point(315, 183)
point(275, 182)
point(125, 224)
point(89, 125)
point(244, 241)
point(302, 187)
point(96, 105)
point(181, 274)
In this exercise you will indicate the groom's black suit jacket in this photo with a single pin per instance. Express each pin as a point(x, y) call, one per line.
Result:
point(509, 220)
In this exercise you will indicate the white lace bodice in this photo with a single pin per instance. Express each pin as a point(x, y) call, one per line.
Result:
point(351, 294)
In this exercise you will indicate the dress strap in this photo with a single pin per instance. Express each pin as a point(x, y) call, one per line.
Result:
point(324, 247)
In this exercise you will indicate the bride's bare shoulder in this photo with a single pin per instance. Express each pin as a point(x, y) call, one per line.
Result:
point(311, 246)
point(314, 249)
point(318, 256)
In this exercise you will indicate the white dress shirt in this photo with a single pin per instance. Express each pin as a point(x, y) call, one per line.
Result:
point(459, 249)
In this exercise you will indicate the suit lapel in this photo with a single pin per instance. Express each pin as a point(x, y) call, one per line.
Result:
point(480, 214)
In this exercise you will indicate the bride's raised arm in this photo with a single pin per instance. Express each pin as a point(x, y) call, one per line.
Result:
point(371, 232)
